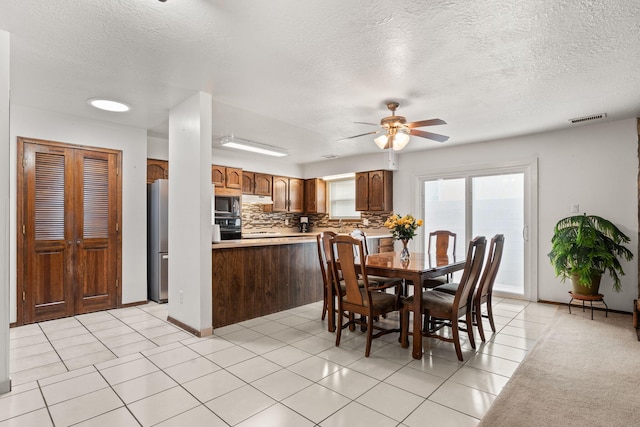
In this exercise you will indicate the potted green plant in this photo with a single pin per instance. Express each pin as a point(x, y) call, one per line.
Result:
point(584, 247)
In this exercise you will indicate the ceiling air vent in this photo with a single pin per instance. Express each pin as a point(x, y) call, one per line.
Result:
point(330, 156)
point(588, 118)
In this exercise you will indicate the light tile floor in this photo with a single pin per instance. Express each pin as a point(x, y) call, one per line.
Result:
point(129, 367)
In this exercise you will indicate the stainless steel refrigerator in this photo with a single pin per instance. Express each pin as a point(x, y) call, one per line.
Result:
point(157, 251)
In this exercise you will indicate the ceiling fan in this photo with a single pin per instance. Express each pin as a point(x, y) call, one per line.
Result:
point(396, 131)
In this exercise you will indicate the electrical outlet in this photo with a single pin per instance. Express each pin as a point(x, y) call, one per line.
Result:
point(365, 222)
point(181, 297)
point(575, 208)
point(286, 221)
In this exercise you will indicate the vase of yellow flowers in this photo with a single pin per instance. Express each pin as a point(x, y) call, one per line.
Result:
point(403, 228)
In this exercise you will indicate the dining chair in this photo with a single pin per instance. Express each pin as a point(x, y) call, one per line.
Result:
point(325, 255)
point(362, 236)
point(484, 290)
point(438, 245)
point(443, 309)
point(327, 279)
point(369, 300)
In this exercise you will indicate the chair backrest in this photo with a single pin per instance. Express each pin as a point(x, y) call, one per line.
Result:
point(324, 254)
point(442, 239)
point(485, 287)
point(344, 253)
point(470, 274)
point(360, 235)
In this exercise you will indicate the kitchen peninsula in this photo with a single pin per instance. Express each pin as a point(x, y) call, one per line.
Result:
point(256, 277)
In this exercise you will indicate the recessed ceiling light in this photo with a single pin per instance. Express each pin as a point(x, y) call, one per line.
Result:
point(108, 105)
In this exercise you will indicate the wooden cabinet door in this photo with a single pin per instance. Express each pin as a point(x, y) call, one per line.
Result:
point(157, 169)
point(69, 248)
point(48, 233)
point(380, 191)
point(218, 176)
point(248, 182)
point(95, 229)
point(296, 195)
point(262, 184)
point(233, 178)
point(280, 193)
point(315, 191)
point(362, 191)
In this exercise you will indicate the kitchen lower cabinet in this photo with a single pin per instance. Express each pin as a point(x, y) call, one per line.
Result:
point(254, 281)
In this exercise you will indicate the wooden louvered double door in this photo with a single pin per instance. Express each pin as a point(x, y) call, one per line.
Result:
point(69, 246)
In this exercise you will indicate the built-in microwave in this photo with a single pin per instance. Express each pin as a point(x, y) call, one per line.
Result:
point(226, 206)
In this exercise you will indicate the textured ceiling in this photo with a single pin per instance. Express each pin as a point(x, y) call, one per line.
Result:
point(297, 74)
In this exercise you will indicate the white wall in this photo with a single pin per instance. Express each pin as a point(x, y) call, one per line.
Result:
point(594, 165)
point(4, 212)
point(33, 123)
point(158, 148)
point(362, 163)
point(190, 191)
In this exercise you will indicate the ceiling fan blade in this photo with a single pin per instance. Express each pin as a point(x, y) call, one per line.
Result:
point(362, 134)
point(431, 122)
point(367, 123)
point(429, 135)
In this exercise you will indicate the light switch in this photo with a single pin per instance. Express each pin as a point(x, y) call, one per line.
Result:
point(575, 208)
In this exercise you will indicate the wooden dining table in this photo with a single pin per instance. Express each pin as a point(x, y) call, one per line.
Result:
point(419, 267)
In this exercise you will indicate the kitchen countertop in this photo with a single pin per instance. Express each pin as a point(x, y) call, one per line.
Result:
point(284, 238)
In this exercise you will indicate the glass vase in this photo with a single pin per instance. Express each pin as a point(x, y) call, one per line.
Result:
point(404, 254)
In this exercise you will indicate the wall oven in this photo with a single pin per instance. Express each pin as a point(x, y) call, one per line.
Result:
point(230, 227)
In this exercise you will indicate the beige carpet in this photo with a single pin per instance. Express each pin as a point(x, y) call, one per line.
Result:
point(581, 372)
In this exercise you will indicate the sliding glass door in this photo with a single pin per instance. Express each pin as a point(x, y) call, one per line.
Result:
point(484, 203)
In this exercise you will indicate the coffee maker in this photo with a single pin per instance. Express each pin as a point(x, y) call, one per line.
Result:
point(304, 224)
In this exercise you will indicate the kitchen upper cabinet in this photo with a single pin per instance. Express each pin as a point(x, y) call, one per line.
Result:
point(374, 191)
point(262, 184)
point(157, 169)
point(256, 183)
point(315, 196)
point(247, 182)
point(218, 177)
point(233, 178)
point(222, 176)
point(288, 194)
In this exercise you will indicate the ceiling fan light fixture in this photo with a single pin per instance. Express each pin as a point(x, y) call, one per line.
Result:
point(254, 147)
point(381, 141)
point(401, 139)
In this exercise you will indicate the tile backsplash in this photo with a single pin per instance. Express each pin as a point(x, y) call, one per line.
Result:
point(254, 218)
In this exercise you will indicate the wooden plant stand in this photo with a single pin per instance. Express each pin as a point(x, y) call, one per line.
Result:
point(591, 299)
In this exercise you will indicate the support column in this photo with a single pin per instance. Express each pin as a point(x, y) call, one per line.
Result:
point(5, 166)
point(190, 191)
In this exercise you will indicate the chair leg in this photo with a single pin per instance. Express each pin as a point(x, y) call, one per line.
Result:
point(469, 319)
point(404, 327)
point(339, 328)
point(369, 335)
point(490, 313)
point(478, 315)
point(456, 338)
point(352, 326)
point(325, 304)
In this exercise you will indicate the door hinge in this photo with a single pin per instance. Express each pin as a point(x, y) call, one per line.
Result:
point(24, 296)
point(117, 228)
point(24, 162)
point(24, 229)
point(116, 283)
point(117, 171)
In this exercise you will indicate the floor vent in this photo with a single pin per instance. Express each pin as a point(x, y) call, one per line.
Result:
point(588, 118)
